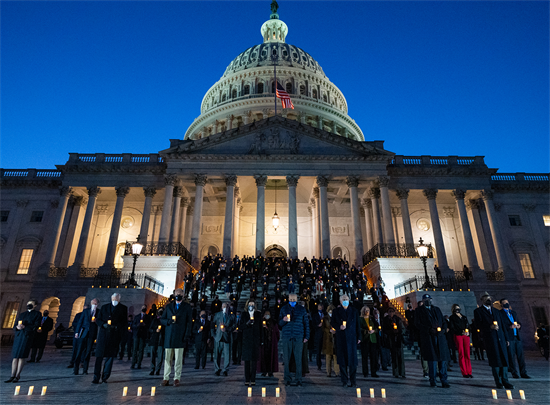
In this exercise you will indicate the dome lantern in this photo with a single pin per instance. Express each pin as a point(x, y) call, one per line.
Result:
point(274, 30)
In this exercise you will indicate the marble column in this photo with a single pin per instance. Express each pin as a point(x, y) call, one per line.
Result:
point(93, 192)
point(353, 183)
point(319, 122)
point(149, 193)
point(237, 226)
point(318, 216)
point(314, 229)
point(322, 182)
point(183, 221)
point(389, 237)
point(467, 233)
point(367, 206)
point(431, 195)
point(292, 183)
point(261, 181)
point(403, 196)
point(170, 181)
point(64, 195)
point(229, 121)
point(189, 224)
point(121, 193)
point(502, 260)
point(374, 194)
point(175, 225)
point(230, 182)
point(215, 127)
point(200, 182)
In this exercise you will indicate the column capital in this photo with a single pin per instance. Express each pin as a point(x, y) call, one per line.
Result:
point(200, 179)
point(352, 181)
point(458, 194)
point(122, 191)
point(367, 204)
point(292, 180)
point(473, 204)
point(94, 191)
point(487, 195)
point(78, 201)
point(149, 191)
point(374, 193)
point(383, 181)
point(396, 211)
point(178, 192)
point(266, 112)
point(229, 116)
point(170, 179)
point(230, 180)
point(402, 193)
point(185, 202)
point(322, 181)
point(65, 191)
point(430, 193)
point(237, 192)
point(312, 202)
point(261, 180)
point(316, 192)
point(190, 209)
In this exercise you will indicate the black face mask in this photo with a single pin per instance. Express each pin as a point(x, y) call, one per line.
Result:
point(428, 302)
point(203, 316)
point(30, 306)
point(144, 310)
point(488, 302)
point(507, 305)
point(179, 297)
point(457, 311)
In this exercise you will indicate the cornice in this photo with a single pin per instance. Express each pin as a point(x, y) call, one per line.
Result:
point(156, 169)
point(16, 183)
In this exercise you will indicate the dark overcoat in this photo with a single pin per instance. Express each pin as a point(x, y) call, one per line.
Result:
point(252, 335)
point(495, 341)
point(269, 353)
point(41, 337)
point(176, 333)
point(433, 343)
point(23, 339)
point(109, 336)
point(346, 340)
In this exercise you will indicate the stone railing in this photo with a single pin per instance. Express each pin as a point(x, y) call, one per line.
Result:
point(400, 160)
point(495, 276)
point(451, 283)
point(393, 250)
point(56, 272)
point(122, 158)
point(29, 174)
point(162, 249)
point(520, 177)
point(117, 280)
point(86, 272)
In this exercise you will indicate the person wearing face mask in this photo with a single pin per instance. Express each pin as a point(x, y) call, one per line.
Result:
point(177, 319)
point(156, 342)
point(201, 333)
point(222, 326)
point(140, 327)
point(345, 320)
point(111, 321)
point(41, 337)
point(512, 326)
point(458, 324)
point(329, 345)
point(251, 324)
point(490, 322)
point(432, 327)
point(86, 333)
point(269, 351)
point(25, 327)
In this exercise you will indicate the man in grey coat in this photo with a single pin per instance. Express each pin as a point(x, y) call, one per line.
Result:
point(222, 326)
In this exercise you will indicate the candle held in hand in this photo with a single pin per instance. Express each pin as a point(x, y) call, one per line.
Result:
point(438, 329)
point(344, 323)
point(174, 318)
point(109, 322)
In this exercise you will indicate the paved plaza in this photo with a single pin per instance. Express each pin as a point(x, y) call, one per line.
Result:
point(203, 387)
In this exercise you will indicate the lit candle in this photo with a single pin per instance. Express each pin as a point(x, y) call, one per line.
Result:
point(466, 330)
point(20, 323)
point(44, 389)
point(438, 329)
point(370, 327)
point(372, 392)
point(495, 394)
point(515, 323)
point(395, 326)
point(202, 327)
point(522, 394)
point(31, 389)
point(222, 326)
point(383, 391)
point(289, 317)
point(264, 323)
point(125, 391)
point(141, 321)
point(478, 331)
point(139, 392)
point(263, 392)
point(40, 329)
point(109, 322)
point(344, 323)
point(93, 318)
point(249, 392)
point(277, 392)
point(174, 318)
point(160, 327)
point(509, 394)
point(495, 323)
point(358, 392)
point(17, 389)
point(128, 328)
point(153, 391)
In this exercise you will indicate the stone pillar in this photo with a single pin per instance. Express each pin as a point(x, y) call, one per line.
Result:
point(15, 227)
point(322, 182)
point(502, 260)
point(215, 127)
point(229, 121)
point(292, 183)
point(170, 181)
point(149, 193)
point(183, 220)
point(403, 195)
point(314, 229)
point(353, 183)
point(65, 193)
point(431, 195)
point(467, 233)
point(367, 206)
point(318, 216)
point(236, 226)
point(319, 122)
point(93, 192)
point(189, 224)
point(230, 182)
point(374, 194)
point(200, 182)
point(389, 237)
point(261, 181)
point(175, 225)
point(246, 117)
point(121, 193)
point(302, 117)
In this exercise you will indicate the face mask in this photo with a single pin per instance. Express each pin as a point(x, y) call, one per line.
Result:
point(94, 306)
point(488, 302)
point(115, 303)
point(345, 303)
point(428, 302)
point(144, 310)
point(160, 314)
point(457, 310)
point(292, 303)
point(203, 316)
point(179, 297)
point(330, 314)
point(507, 305)
point(224, 310)
point(250, 309)
point(30, 307)
point(267, 316)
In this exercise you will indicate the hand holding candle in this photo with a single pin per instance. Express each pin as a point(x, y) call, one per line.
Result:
point(109, 322)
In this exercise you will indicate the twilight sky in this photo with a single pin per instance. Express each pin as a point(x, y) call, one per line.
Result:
point(429, 78)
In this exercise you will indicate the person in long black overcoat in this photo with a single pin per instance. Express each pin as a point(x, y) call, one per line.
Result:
point(41, 337)
point(251, 322)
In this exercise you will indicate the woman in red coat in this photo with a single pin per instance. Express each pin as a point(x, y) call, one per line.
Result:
point(269, 356)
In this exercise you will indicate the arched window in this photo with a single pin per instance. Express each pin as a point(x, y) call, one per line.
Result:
point(260, 88)
point(314, 93)
point(289, 88)
point(246, 89)
point(234, 93)
point(223, 98)
point(325, 99)
point(302, 90)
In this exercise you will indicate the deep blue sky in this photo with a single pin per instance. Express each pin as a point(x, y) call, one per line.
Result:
point(430, 78)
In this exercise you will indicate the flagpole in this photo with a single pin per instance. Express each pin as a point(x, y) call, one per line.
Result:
point(274, 58)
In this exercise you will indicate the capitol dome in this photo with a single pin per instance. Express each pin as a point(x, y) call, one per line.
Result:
point(246, 91)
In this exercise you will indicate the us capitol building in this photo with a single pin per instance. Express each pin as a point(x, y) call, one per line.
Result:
point(245, 181)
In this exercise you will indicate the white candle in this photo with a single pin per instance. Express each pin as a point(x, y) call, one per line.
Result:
point(495, 394)
point(44, 389)
point(263, 392)
point(344, 323)
point(31, 389)
point(495, 323)
point(438, 329)
point(174, 318)
point(249, 392)
point(20, 323)
point(160, 327)
point(358, 392)
point(109, 321)
point(139, 392)
point(522, 394)
point(153, 391)
point(17, 389)
point(277, 392)
point(93, 318)
point(372, 392)
point(125, 391)
point(509, 394)
point(383, 391)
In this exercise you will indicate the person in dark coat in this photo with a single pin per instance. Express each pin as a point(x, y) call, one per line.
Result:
point(222, 326)
point(237, 340)
point(112, 322)
point(156, 342)
point(369, 342)
point(76, 341)
point(393, 329)
point(201, 339)
point(140, 329)
point(252, 335)
point(345, 319)
point(26, 325)
point(512, 326)
point(544, 339)
point(477, 341)
point(317, 330)
point(431, 327)
point(269, 353)
point(490, 322)
point(41, 337)
point(177, 319)
point(86, 333)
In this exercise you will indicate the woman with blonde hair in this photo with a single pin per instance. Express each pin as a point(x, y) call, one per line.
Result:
point(369, 342)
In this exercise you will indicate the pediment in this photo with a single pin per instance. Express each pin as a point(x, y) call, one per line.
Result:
point(276, 136)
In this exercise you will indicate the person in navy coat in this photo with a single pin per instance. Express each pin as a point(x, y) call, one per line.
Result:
point(86, 334)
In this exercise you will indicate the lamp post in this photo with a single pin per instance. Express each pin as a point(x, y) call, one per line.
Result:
point(136, 251)
point(275, 218)
point(422, 250)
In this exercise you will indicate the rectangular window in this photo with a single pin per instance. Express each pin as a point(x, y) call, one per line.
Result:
point(526, 265)
point(546, 219)
point(515, 220)
point(12, 309)
point(36, 216)
point(25, 261)
point(4, 216)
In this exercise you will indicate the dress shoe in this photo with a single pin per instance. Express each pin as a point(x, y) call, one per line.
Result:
point(218, 373)
point(270, 374)
point(515, 375)
point(30, 361)
point(37, 361)
point(165, 383)
point(104, 381)
point(15, 380)
point(158, 372)
point(139, 367)
point(445, 385)
point(75, 372)
point(508, 386)
point(94, 381)
point(176, 383)
point(263, 374)
point(375, 375)
point(470, 376)
point(225, 373)
point(433, 384)
point(299, 384)
point(9, 380)
point(152, 373)
point(525, 376)
point(499, 386)
point(351, 385)
point(196, 368)
point(70, 366)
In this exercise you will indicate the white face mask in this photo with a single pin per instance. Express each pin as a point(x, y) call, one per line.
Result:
point(224, 310)
point(94, 306)
point(115, 303)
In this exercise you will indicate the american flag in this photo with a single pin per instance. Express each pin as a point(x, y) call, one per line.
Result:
point(284, 96)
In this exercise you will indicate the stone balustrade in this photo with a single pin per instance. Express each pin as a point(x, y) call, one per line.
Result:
point(426, 160)
point(123, 158)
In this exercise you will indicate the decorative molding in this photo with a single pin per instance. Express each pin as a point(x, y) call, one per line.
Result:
point(529, 207)
point(312, 202)
point(200, 180)
point(22, 203)
point(448, 212)
point(94, 191)
point(396, 211)
point(122, 191)
point(231, 180)
point(352, 181)
point(367, 204)
point(430, 193)
point(261, 180)
point(78, 201)
point(65, 191)
point(402, 193)
point(179, 192)
point(458, 194)
point(292, 180)
point(339, 230)
point(383, 181)
point(211, 229)
point(473, 204)
point(316, 193)
point(486, 195)
point(170, 179)
point(127, 222)
point(423, 224)
point(374, 193)
point(322, 181)
point(185, 202)
point(102, 209)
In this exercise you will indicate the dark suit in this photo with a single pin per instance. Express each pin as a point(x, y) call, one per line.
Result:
point(41, 338)
point(515, 349)
point(317, 330)
point(109, 337)
point(156, 344)
point(87, 334)
point(140, 327)
point(76, 342)
point(201, 334)
point(222, 339)
point(433, 343)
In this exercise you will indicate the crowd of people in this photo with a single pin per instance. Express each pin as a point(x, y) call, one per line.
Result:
point(312, 310)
